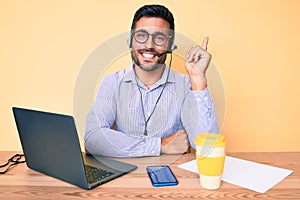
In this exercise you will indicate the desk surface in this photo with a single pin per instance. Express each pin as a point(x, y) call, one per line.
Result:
point(23, 183)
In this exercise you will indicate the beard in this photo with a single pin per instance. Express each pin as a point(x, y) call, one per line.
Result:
point(144, 64)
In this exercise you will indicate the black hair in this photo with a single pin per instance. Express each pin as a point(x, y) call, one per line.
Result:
point(158, 11)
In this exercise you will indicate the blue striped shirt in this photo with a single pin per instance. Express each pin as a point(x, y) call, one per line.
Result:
point(119, 101)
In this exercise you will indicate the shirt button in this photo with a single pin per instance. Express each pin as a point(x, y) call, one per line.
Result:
point(198, 99)
point(206, 98)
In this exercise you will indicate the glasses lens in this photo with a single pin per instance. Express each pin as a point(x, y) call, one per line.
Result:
point(159, 39)
point(141, 36)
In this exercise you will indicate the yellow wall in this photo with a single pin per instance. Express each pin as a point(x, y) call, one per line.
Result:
point(255, 45)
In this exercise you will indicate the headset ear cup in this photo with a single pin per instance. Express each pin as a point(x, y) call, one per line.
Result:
point(130, 41)
point(172, 46)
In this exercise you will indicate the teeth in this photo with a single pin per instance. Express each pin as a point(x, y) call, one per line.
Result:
point(147, 55)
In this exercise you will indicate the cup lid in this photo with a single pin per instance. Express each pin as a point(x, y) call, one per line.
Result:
point(210, 139)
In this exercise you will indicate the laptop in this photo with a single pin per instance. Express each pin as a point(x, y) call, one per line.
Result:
point(51, 146)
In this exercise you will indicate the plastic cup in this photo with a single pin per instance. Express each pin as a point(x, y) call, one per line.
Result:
point(210, 156)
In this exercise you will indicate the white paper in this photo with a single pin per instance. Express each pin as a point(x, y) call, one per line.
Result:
point(247, 174)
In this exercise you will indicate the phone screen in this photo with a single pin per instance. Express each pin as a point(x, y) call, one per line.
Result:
point(161, 175)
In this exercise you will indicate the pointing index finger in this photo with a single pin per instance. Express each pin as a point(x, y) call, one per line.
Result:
point(204, 44)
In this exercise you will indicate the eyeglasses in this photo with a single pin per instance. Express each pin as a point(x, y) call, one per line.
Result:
point(158, 38)
point(16, 159)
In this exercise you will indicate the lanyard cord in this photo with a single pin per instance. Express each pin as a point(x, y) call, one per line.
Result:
point(146, 120)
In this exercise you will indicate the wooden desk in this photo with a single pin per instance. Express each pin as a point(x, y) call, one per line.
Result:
point(23, 183)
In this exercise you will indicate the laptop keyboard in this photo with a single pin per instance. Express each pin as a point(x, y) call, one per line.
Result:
point(94, 174)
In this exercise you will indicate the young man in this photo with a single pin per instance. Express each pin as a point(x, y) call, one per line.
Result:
point(155, 109)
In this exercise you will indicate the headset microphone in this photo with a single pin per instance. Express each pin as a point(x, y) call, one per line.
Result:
point(165, 52)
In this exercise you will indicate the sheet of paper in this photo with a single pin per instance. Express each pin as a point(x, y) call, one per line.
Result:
point(247, 174)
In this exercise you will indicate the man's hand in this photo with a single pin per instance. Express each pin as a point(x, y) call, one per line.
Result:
point(176, 143)
point(197, 61)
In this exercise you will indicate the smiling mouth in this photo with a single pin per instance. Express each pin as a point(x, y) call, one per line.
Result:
point(148, 55)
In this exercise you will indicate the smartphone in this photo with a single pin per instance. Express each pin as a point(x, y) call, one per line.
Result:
point(161, 175)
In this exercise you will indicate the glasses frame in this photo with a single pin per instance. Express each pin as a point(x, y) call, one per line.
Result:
point(13, 161)
point(153, 35)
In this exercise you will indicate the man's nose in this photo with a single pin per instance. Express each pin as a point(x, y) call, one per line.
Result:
point(149, 43)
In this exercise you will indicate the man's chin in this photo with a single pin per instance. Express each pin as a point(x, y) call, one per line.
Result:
point(150, 67)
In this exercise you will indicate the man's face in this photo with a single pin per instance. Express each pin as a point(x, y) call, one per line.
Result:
point(150, 37)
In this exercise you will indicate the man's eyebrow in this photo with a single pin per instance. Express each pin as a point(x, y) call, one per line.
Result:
point(140, 30)
point(156, 32)
point(159, 32)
